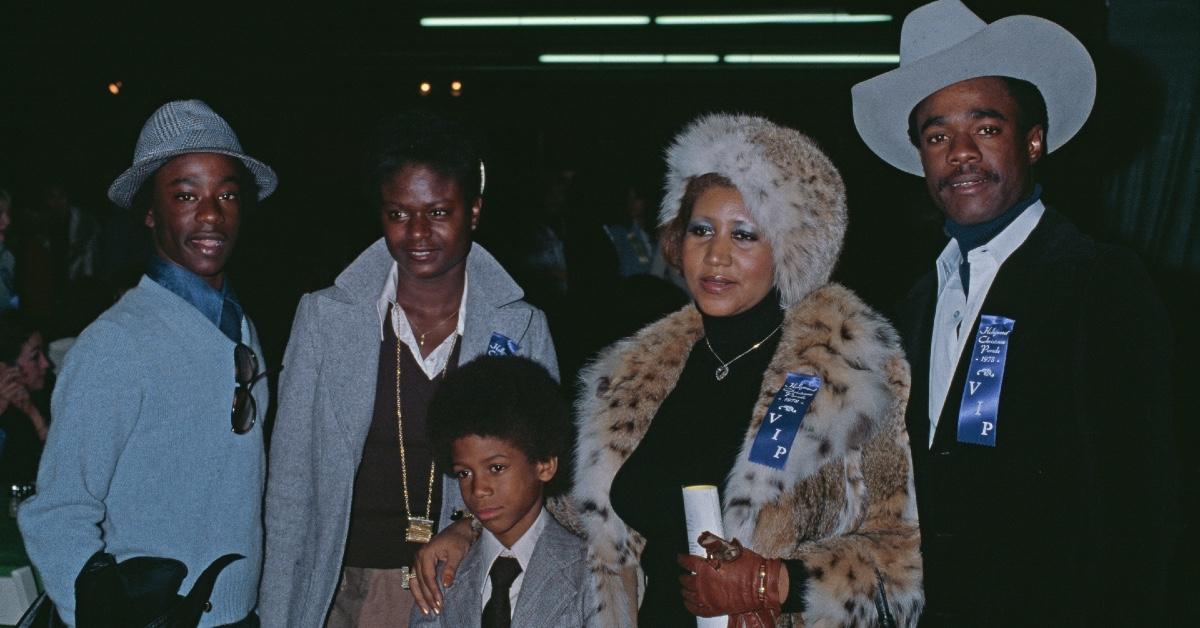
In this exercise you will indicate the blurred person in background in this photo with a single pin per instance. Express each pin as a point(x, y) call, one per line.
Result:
point(24, 417)
point(8, 262)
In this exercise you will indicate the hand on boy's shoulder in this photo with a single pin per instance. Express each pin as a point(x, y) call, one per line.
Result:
point(436, 565)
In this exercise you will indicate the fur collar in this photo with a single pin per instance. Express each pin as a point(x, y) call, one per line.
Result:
point(830, 333)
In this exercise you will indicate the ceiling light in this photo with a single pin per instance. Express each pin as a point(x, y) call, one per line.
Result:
point(628, 58)
point(773, 18)
point(861, 59)
point(540, 20)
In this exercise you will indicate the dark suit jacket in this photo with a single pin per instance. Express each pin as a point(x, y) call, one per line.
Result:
point(1069, 518)
point(554, 593)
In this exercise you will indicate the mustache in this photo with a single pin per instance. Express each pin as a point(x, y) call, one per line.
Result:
point(962, 171)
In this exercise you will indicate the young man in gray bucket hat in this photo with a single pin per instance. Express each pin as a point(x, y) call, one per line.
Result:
point(155, 449)
point(1039, 410)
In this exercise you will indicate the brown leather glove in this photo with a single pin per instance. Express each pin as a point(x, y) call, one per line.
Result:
point(732, 581)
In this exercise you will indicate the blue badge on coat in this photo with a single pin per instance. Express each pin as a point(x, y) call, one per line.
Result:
point(979, 412)
point(502, 345)
point(773, 444)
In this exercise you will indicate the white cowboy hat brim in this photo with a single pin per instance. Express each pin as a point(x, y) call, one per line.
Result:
point(1020, 46)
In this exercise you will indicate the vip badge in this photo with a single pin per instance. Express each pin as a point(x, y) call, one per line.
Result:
point(773, 443)
point(500, 344)
point(979, 412)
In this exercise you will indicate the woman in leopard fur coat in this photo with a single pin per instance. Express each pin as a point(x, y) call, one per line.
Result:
point(655, 411)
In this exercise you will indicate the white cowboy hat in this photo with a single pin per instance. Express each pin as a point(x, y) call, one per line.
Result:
point(942, 43)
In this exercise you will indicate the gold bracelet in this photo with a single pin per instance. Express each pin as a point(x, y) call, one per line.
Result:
point(762, 581)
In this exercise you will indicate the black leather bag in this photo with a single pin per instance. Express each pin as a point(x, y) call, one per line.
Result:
point(140, 592)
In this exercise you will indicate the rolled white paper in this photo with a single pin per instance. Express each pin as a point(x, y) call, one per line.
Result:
point(702, 513)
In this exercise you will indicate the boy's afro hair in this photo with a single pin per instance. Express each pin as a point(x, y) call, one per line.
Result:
point(506, 397)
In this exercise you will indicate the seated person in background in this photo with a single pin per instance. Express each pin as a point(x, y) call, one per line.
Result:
point(23, 368)
point(500, 426)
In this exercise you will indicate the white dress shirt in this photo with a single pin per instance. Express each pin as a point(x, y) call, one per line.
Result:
point(432, 364)
point(522, 550)
point(956, 311)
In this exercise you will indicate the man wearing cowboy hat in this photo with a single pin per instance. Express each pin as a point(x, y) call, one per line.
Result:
point(145, 457)
point(1039, 409)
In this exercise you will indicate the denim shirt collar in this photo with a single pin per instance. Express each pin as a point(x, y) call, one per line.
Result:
point(191, 288)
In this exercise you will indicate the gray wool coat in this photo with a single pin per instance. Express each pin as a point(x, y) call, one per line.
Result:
point(326, 398)
point(555, 593)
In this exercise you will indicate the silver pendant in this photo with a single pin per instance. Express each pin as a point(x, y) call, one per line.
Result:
point(721, 372)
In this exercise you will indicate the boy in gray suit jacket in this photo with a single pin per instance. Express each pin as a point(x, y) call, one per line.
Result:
point(499, 425)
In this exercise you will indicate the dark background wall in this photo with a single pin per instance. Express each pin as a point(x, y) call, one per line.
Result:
point(303, 87)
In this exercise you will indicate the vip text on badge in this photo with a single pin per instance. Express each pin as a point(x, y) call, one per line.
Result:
point(979, 412)
point(773, 443)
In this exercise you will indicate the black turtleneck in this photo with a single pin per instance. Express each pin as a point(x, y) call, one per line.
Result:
point(694, 439)
point(971, 237)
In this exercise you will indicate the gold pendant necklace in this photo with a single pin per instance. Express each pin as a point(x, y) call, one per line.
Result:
point(421, 336)
point(419, 529)
point(723, 370)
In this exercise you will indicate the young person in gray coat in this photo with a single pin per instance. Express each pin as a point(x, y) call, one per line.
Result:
point(141, 460)
point(499, 426)
point(352, 488)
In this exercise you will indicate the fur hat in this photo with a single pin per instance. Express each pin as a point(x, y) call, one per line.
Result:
point(789, 186)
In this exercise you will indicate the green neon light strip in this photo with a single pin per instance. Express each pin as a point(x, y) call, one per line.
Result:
point(627, 58)
point(869, 59)
point(545, 20)
point(769, 18)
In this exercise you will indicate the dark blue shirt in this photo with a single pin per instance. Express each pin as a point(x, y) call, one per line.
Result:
point(219, 306)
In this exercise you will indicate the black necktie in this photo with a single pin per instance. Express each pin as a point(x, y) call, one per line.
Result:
point(497, 613)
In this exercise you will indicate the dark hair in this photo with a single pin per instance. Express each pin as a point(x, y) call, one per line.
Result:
point(671, 239)
point(15, 330)
point(506, 397)
point(1031, 110)
point(143, 198)
point(425, 138)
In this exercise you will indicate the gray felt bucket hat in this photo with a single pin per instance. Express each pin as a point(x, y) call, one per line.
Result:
point(942, 43)
point(177, 128)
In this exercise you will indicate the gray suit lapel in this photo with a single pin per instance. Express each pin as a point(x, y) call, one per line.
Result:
point(489, 288)
point(546, 589)
point(464, 604)
point(354, 325)
point(352, 366)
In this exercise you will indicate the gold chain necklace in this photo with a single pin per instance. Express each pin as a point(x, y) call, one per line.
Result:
point(723, 370)
point(421, 336)
point(419, 529)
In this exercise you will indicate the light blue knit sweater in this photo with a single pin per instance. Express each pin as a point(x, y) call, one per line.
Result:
point(141, 460)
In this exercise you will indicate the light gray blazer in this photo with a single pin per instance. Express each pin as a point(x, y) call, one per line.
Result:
point(555, 592)
point(326, 400)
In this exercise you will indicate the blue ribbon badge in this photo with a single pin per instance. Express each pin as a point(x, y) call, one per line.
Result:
point(979, 412)
point(773, 444)
point(502, 345)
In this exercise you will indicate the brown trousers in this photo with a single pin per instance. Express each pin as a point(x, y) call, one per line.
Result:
point(370, 598)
